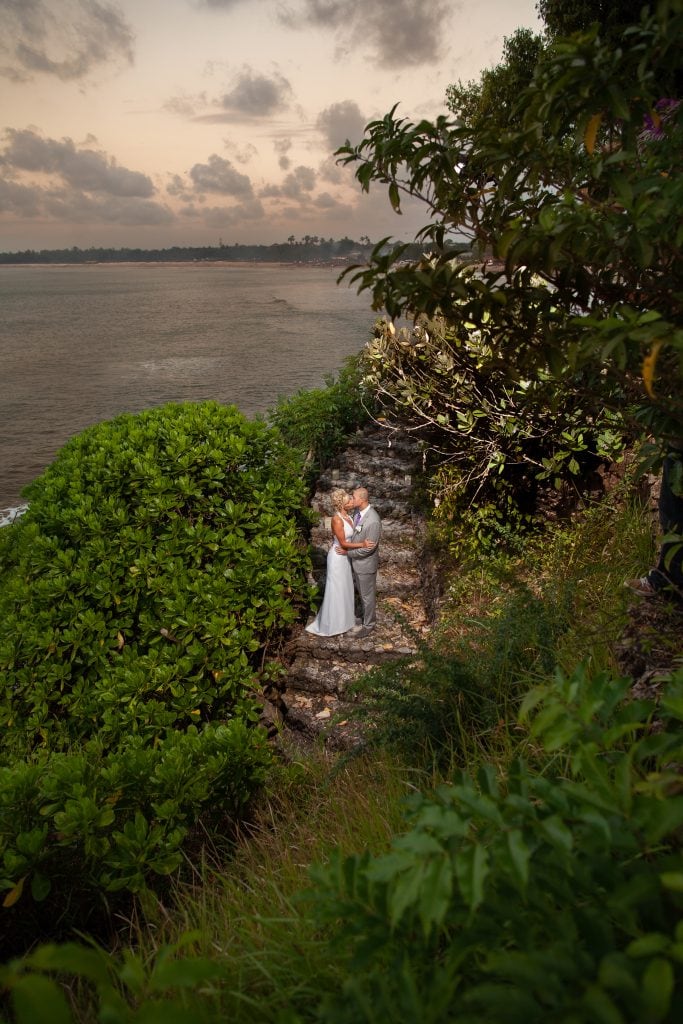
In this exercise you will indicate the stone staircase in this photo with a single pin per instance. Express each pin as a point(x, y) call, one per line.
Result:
point(320, 669)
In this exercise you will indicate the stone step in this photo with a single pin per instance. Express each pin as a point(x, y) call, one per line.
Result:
point(401, 623)
point(359, 462)
point(384, 441)
point(321, 670)
point(377, 486)
point(311, 718)
point(335, 673)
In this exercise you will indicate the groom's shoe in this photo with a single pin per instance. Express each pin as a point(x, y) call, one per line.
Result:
point(363, 631)
point(357, 628)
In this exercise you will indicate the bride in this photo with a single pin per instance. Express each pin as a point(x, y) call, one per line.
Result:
point(336, 613)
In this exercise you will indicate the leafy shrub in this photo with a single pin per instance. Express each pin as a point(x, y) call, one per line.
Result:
point(156, 568)
point(548, 898)
point(95, 818)
point(127, 990)
point(315, 423)
point(539, 898)
point(501, 435)
point(143, 597)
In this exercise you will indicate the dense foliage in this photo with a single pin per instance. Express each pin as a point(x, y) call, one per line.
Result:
point(580, 200)
point(315, 423)
point(503, 439)
point(493, 98)
point(538, 896)
point(144, 597)
point(546, 898)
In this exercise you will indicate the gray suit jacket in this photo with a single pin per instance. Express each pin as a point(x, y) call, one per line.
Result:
point(366, 560)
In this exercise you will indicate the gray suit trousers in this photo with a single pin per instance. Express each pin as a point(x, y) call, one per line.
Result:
point(367, 588)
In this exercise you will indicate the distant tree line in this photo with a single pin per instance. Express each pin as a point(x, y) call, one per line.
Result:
point(308, 249)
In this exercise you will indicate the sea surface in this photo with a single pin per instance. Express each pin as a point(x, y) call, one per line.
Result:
point(81, 344)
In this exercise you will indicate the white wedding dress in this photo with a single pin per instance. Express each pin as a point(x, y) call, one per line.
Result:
point(336, 613)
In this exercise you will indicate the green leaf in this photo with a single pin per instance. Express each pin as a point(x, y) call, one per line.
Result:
point(672, 880)
point(472, 869)
point(601, 1007)
point(657, 988)
point(648, 945)
point(40, 886)
point(183, 973)
point(38, 1000)
point(435, 895)
point(394, 197)
point(520, 855)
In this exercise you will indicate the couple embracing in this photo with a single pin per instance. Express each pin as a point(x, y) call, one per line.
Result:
point(354, 555)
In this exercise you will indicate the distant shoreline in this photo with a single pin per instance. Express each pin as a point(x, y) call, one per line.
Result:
point(332, 264)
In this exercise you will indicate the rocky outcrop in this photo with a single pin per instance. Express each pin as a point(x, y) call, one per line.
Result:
point(321, 669)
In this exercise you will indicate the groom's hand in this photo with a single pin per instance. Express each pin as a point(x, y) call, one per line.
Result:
point(340, 551)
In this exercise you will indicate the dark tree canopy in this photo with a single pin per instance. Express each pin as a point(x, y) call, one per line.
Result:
point(563, 17)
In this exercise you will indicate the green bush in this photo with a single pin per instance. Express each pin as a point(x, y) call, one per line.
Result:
point(537, 898)
point(144, 598)
point(155, 571)
point(316, 423)
point(547, 897)
point(500, 437)
point(94, 820)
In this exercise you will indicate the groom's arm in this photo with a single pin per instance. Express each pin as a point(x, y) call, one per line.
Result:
point(372, 532)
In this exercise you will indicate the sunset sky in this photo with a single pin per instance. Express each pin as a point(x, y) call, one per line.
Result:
point(185, 122)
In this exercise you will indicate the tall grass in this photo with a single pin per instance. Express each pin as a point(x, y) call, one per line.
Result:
point(246, 906)
point(507, 624)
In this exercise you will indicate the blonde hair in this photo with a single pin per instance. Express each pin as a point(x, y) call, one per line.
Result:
point(337, 499)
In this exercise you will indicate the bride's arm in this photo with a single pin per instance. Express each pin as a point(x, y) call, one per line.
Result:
point(338, 531)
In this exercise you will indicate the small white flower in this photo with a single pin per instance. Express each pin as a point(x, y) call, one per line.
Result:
point(358, 529)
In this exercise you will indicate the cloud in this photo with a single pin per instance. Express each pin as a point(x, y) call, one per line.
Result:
point(296, 185)
point(75, 206)
point(340, 122)
point(329, 170)
point(256, 95)
point(226, 216)
point(179, 188)
point(185, 106)
point(221, 5)
point(328, 203)
point(87, 169)
point(398, 33)
point(251, 96)
point(69, 39)
point(76, 184)
point(219, 175)
point(242, 154)
point(282, 148)
point(20, 200)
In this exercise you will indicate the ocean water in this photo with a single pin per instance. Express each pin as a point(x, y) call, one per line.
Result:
point(81, 344)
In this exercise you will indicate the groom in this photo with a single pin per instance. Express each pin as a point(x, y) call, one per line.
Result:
point(364, 561)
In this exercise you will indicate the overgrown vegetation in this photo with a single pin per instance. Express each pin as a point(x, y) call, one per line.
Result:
point(502, 443)
point(144, 596)
point(316, 423)
point(536, 873)
point(548, 887)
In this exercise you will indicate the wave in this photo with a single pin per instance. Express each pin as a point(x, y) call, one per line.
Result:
point(10, 515)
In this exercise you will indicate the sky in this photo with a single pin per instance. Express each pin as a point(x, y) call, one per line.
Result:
point(153, 123)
